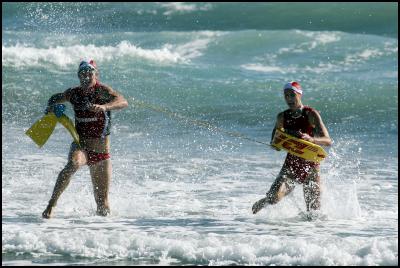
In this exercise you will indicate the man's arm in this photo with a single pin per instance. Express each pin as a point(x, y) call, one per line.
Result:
point(57, 98)
point(117, 101)
point(321, 135)
point(278, 125)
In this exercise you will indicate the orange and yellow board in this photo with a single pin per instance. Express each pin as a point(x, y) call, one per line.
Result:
point(298, 147)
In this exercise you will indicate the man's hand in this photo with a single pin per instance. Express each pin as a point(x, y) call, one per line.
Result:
point(49, 109)
point(98, 108)
point(307, 137)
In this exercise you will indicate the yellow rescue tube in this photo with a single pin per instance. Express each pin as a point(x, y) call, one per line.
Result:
point(298, 147)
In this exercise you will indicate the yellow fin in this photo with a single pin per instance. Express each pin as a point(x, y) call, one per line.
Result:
point(69, 125)
point(41, 130)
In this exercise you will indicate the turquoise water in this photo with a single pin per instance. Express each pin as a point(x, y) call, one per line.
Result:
point(181, 193)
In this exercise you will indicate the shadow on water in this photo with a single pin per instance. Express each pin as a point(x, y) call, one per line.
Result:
point(198, 225)
point(28, 259)
point(155, 258)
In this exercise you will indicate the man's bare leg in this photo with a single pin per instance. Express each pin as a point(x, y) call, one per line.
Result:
point(312, 192)
point(62, 182)
point(279, 189)
point(101, 177)
point(76, 159)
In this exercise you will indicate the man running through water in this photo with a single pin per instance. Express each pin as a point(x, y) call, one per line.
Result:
point(92, 103)
point(307, 124)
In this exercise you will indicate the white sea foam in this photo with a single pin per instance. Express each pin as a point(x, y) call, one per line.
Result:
point(292, 69)
point(318, 39)
point(190, 50)
point(264, 68)
point(181, 8)
point(63, 56)
point(391, 47)
point(192, 248)
point(362, 56)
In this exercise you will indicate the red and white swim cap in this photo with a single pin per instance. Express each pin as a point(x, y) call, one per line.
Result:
point(87, 65)
point(294, 86)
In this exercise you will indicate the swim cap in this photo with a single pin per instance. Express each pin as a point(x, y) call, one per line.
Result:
point(294, 86)
point(87, 65)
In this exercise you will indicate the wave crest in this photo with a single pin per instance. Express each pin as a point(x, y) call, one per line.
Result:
point(64, 56)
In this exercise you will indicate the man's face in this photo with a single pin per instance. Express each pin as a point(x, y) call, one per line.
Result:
point(87, 77)
point(293, 99)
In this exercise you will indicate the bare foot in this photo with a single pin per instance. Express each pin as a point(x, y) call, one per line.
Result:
point(47, 212)
point(259, 205)
point(102, 211)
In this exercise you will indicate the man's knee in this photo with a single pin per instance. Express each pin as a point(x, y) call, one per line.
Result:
point(77, 160)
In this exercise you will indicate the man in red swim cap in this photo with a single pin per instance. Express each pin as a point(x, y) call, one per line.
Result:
point(306, 123)
point(92, 102)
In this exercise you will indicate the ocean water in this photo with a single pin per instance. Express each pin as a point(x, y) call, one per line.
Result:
point(181, 193)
